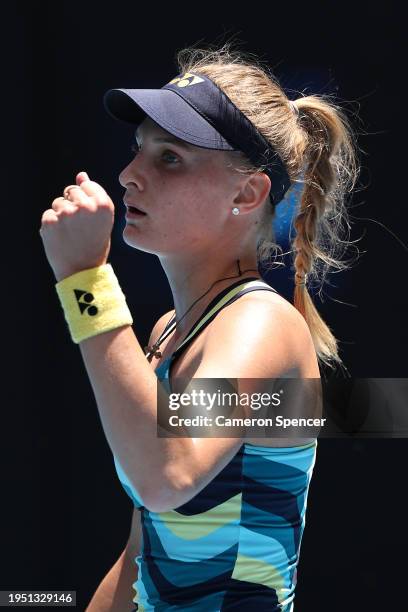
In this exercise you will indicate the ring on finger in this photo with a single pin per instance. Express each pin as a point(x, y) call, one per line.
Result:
point(67, 190)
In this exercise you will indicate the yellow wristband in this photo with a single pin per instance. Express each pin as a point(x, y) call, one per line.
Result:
point(93, 302)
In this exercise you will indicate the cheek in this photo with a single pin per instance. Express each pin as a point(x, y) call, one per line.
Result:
point(207, 192)
point(191, 200)
point(185, 222)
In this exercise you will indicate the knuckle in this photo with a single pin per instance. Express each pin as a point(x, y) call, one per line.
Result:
point(106, 204)
point(48, 218)
point(88, 208)
point(74, 191)
point(64, 212)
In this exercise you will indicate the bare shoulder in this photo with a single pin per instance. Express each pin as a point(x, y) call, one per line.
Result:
point(261, 335)
point(159, 326)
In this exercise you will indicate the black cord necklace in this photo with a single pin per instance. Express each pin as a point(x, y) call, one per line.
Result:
point(153, 351)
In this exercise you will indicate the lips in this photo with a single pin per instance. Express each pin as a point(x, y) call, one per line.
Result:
point(132, 209)
point(135, 211)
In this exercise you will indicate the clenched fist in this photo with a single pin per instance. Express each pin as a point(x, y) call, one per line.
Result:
point(76, 233)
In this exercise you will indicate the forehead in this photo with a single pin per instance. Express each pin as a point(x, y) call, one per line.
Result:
point(149, 129)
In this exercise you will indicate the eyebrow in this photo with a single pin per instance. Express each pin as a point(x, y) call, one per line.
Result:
point(170, 140)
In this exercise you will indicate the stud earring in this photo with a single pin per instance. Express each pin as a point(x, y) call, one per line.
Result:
point(235, 211)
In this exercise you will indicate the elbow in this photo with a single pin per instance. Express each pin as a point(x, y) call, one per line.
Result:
point(164, 502)
point(167, 492)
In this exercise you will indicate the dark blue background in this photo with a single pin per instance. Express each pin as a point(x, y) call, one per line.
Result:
point(65, 518)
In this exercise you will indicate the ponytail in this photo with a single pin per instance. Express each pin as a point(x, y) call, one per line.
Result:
point(330, 172)
point(314, 139)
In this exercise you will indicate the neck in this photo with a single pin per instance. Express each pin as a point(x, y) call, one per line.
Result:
point(189, 279)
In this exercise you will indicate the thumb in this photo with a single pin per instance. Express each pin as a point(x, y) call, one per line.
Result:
point(81, 177)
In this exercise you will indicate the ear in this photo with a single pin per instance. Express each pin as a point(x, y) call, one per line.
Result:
point(254, 191)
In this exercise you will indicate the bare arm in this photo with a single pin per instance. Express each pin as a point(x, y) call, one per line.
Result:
point(125, 389)
point(115, 593)
point(168, 472)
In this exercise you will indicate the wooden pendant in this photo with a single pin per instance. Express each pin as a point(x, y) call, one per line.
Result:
point(153, 352)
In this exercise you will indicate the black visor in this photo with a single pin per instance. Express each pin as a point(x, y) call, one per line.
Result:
point(194, 109)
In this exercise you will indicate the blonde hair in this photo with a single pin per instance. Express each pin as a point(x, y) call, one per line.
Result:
point(318, 147)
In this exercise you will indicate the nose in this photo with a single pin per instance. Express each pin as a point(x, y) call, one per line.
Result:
point(129, 176)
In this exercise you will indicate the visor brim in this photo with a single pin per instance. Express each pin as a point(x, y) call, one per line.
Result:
point(169, 110)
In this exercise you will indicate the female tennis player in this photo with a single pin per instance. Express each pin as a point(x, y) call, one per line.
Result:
point(218, 520)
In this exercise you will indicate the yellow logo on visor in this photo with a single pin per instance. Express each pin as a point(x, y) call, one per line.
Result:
point(186, 80)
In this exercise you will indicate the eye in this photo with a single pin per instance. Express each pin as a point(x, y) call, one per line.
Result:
point(175, 157)
point(135, 148)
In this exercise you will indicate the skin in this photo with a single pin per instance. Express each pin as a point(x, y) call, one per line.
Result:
point(190, 227)
point(188, 197)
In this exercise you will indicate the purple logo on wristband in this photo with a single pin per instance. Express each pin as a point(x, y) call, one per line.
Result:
point(84, 298)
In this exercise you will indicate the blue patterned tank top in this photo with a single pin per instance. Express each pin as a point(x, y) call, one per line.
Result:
point(235, 545)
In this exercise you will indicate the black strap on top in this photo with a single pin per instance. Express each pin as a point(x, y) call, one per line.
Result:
point(170, 325)
point(210, 306)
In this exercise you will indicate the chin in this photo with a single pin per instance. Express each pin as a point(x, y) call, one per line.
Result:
point(137, 240)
